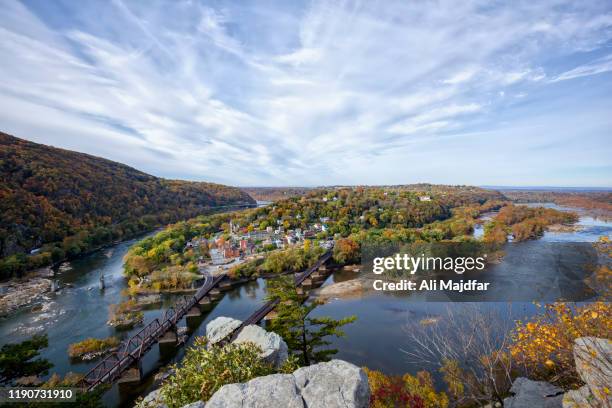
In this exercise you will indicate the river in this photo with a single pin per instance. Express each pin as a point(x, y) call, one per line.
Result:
point(376, 339)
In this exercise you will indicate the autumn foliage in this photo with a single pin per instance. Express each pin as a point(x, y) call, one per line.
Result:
point(405, 391)
point(543, 346)
point(66, 203)
point(524, 222)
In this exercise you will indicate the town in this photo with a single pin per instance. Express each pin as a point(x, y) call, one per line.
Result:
point(224, 250)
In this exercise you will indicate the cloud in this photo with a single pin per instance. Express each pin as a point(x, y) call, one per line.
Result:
point(599, 66)
point(461, 76)
point(431, 120)
point(295, 93)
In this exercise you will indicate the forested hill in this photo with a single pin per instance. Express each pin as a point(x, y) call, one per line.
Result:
point(65, 202)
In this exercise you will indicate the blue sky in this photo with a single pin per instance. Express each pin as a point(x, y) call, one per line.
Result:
point(318, 93)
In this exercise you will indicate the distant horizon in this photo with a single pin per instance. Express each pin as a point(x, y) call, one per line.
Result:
point(314, 186)
point(517, 187)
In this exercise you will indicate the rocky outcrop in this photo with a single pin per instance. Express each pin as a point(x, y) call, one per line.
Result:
point(335, 384)
point(197, 404)
point(220, 328)
point(17, 294)
point(593, 357)
point(529, 394)
point(350, 289)
point(277, 390)
point(274, 349)
point(152, 400)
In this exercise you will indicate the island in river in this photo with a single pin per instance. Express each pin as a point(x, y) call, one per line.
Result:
point(80, 309)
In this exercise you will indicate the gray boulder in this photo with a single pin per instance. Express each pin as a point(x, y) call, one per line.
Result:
point(152, 400)
point(220, 328)
point(593, 358)
point(531, 394)
point(197, 404)
point(274, 349)
point(335, 384)
point(276, 390)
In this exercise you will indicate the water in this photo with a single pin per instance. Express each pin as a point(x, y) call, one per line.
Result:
point(81, 310)
point(381, 334)
point(377, 339)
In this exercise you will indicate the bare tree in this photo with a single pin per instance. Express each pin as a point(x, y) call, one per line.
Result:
point(469, 345)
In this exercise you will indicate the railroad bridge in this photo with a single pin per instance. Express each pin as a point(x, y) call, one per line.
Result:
point(164, 330)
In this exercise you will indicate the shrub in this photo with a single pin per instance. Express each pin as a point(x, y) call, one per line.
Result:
point(92, 345)
point(543, 346)
point(407, 391)
point(204, 371)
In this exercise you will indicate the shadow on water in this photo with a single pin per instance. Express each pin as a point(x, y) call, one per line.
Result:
point(374, 340)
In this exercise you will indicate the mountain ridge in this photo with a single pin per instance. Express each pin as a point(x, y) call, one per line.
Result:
point(60, 203)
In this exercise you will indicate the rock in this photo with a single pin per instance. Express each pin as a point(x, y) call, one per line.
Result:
point(335, 384)
point(593, 358)
point(276, 390)
point(148, 300)
point(128, 320)
point(19, 293)
point(220, 328)
point(152, 400)
point(163, 375)
point(350, 289)
point(578, 398)
point(274, 349)
point(531, 394)
point(197, 404)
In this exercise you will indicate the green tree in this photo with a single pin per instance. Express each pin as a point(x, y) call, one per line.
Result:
point(305, 335)
point(204, 370)
point(18, 360)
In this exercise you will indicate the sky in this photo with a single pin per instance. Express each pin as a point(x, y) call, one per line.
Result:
point(260, 93)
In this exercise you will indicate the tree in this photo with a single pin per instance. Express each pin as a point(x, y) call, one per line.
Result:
point(305, 335)
point(346, 250)
point(204, 370)
point(470, 348)
point(18, 360)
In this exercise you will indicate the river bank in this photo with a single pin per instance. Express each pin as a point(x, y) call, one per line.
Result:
point(19, 294)
point(80, 309)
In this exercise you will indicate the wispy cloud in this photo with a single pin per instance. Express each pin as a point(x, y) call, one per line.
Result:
point(302, 93)
point(598, 66)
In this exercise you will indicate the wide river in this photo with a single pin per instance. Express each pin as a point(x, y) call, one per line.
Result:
point(378, 339)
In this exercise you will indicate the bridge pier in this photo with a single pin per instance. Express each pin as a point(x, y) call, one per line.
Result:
point(193, 318)
point(215, 294)
point(225, 285)
point(307, 283)
point(205, 304)
point(168, 344)
point(130, 378)
point(319, 276)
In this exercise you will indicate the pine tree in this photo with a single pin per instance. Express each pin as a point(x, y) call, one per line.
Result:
point(305, 336)
point(18, 360)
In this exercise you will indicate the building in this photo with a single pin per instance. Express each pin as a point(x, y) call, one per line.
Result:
point(216, 256)
point(425, 198)
point(230, 252)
